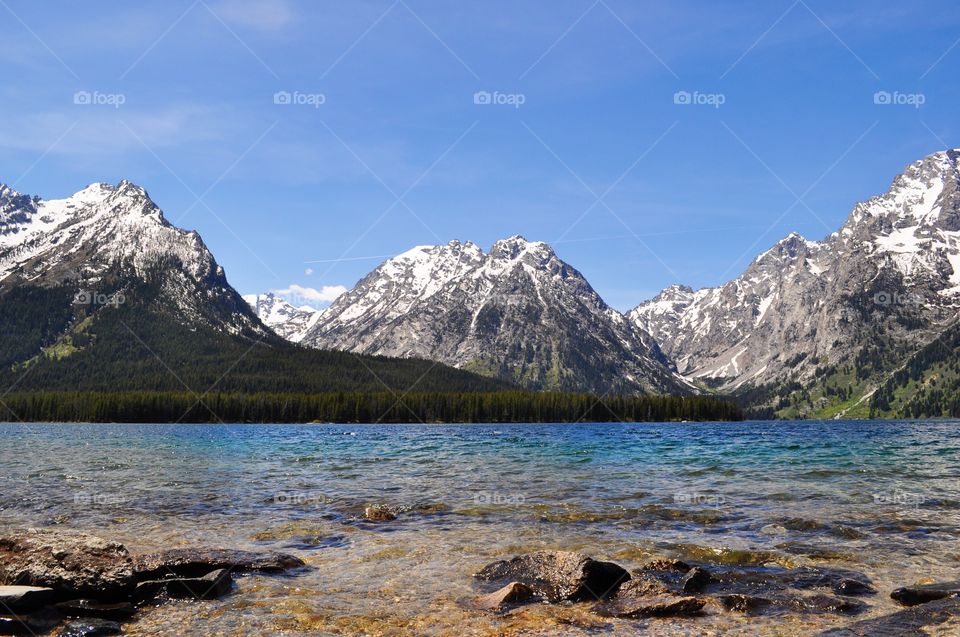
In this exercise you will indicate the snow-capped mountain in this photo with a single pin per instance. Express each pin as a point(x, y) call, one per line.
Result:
point(283, 318)
point(888, 281)
point(517, 312)
point(104, 236)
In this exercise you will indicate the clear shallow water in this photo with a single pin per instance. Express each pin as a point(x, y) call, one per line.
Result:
point(880, 497)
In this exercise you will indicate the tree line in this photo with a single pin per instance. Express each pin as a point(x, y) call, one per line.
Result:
point(358, 407)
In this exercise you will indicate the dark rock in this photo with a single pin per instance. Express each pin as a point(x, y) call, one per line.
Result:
point(92, 627)
point(34, 624)
point(849, 586)
point(73, 564)
point(827, 604)
point(695, 580)
point(560, 575)
point(23, 598)
point(743, 603)
point(211, 586)
point(643, 584)
point(660, 606)
point(119, 611)
point(913, 595)
point(511, 594)
point(379, 513)
point(905, 623)
point(196, 562)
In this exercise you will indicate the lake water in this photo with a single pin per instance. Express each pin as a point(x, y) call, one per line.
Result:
point(879, 497)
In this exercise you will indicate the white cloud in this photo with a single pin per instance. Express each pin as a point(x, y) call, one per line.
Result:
point(308, 271)
point(299, 295)
point(265, 15)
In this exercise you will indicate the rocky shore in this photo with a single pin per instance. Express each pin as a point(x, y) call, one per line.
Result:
point(72, 584)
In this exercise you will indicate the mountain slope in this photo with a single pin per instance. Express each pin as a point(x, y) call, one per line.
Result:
point(518, 313)
point(287, 321)
point(99, 292)
point(811, 327)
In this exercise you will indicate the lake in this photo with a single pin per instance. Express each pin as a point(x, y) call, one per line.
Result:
point(879, 497)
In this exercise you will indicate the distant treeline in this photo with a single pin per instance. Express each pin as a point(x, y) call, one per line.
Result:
point(358, 407)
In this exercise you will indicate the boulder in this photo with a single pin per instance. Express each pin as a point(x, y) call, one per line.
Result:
point(24, 598)
point(560, 575)
point(73, 564)
point(512, 594)
point(197, 562)
point(913, 595)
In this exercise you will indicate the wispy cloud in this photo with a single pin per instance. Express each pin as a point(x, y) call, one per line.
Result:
point(263, 15)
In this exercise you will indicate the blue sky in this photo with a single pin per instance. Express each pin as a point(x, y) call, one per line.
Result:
point(383, 146)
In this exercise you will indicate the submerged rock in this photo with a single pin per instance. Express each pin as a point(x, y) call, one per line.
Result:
point(119, 611)
point(73, 564)
point(213, 585)
point(910, 622)
point(196, 562)
point(24, 598)
point(90, 628)
point(913, 595)
point(630, 607)
point(695, 580)
point(849, 586)
point(512, 593)
point(560, 575)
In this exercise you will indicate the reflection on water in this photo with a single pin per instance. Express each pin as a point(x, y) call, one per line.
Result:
point(880, 497)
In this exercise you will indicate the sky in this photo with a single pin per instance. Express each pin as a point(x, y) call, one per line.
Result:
point(650, 143)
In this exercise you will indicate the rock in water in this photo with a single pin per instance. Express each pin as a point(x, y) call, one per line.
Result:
point(90, 628)
point(24, 598)
point(190, 562)
point(119, 611)
point(379, 513)
point(910, 622)
point(512, 593)
point(848, 586)
point(661, 606)
point(560, 575)
point(695, 580)
point(913, 595)
point(73, 564)
point(213, 585)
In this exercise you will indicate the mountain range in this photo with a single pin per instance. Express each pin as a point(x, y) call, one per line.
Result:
point(98, 291)
point(810, 328)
